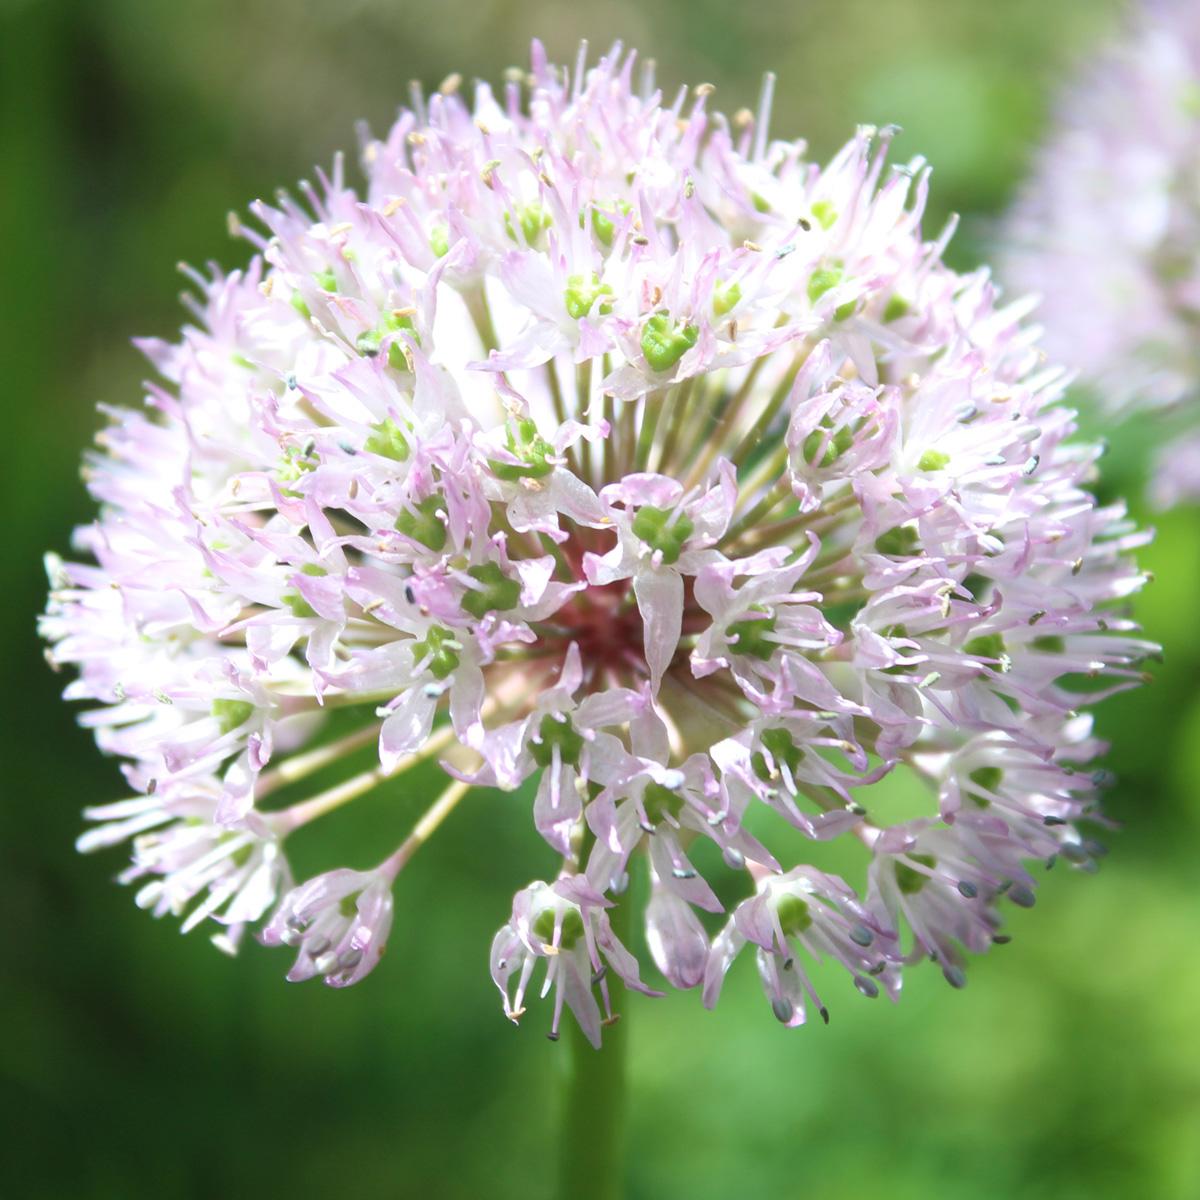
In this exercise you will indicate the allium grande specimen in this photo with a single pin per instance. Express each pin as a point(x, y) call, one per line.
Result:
point(1107, 230)
point(609, 448)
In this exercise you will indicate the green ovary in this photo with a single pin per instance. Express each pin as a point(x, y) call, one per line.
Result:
point(652, 527)
point(231, 713)
point(665, 343)
point(425, 524)
point(572, 927)
point(749, 637)
point(439, 646)
point(533, 218)
point(794, 917)
point(554, 732)
point(582, 293)
point(660, 802)
point(497, 593)
point(911, 881)
point(526, 444)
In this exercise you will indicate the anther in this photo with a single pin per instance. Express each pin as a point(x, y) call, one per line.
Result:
point(955, 977)
point(868, 987)
point(968, 889)
point(783, 1009)
point(860, 935)
point(1021, 895)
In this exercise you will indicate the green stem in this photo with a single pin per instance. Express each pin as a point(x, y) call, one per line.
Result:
point(592, 1138)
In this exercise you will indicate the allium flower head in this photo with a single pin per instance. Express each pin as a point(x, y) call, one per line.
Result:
point(606, 448)
point(1107, 231)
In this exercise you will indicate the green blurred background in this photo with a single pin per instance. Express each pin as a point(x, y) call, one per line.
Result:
point(136, 1063)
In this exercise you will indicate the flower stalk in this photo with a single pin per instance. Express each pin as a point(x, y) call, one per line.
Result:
point(594, 1103)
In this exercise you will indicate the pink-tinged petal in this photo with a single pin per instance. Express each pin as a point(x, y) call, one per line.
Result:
point(725, 948)
point(406, 727)
point(660, 601)
point(573, 498)
point(619, 958)
point(466, 700)
point(612, 707)
point(755, 923)
point(324, 595)
point(661, 491)
point(267, 644)
point(650, 740)
point(575, 979)
point(557, 807)
point(677, 873)
point(712, 512)
point(237, 793)
point(677, 941)
point(618, 563)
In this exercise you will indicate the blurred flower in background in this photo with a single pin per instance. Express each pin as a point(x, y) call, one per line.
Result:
point(1107, 232)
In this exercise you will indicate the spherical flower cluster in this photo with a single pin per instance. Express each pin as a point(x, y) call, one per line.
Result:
point(1107, 230)
point(610, 449)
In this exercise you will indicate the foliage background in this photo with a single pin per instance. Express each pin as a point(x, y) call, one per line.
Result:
point(134, 1063)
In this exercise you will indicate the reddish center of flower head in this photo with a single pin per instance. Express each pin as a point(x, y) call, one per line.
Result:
point(605, 623)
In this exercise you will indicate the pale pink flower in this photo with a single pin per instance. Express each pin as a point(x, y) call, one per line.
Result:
point(602, 450)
